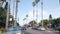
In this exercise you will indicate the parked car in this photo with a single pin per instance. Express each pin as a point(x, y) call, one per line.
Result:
point(41, 28)
point(35, 27)
point(23, 28)
point(13, 30)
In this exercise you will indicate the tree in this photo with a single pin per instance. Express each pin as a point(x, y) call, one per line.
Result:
point(56, 23)
point(2, 16)
point(1, 2)
point(50, 19)
point(6, 6)
point(58, 20)
point(4, 0)
point(31, 23)
point(45, 22)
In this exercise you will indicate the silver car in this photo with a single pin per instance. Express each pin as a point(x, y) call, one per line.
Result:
point(41, 28)
point(13, 30)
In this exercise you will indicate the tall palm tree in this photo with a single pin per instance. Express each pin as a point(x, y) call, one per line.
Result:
point(50, 20)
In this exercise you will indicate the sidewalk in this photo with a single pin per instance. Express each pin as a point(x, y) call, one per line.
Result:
point(50, 30)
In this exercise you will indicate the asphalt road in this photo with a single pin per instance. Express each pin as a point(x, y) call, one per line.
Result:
point(30, 31)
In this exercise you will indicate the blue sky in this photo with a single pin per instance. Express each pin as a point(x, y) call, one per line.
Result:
point(25, 7)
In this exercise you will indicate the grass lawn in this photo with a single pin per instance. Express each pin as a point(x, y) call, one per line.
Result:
point(1, 32)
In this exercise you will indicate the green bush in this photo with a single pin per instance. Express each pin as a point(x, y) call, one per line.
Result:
point(1, 32)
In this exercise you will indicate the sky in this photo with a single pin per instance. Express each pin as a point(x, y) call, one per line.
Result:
point(25, 7)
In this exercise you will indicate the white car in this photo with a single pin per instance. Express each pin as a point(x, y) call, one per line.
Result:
point(41, 28)
point(13, 30)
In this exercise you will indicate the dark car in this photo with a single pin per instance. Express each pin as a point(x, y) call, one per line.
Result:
point(35, 27)
point(58, 28)
point(23, 28)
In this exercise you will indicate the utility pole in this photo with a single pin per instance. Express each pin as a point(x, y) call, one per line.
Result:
point(16, 12)
point(42, 12)
point(7, 15)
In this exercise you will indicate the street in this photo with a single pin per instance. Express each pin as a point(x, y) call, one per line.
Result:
point(30, 31)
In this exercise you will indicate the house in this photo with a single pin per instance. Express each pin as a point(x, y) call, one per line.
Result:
point(31, 23)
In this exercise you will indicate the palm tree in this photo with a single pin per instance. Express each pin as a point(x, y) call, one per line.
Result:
point(50, 20)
